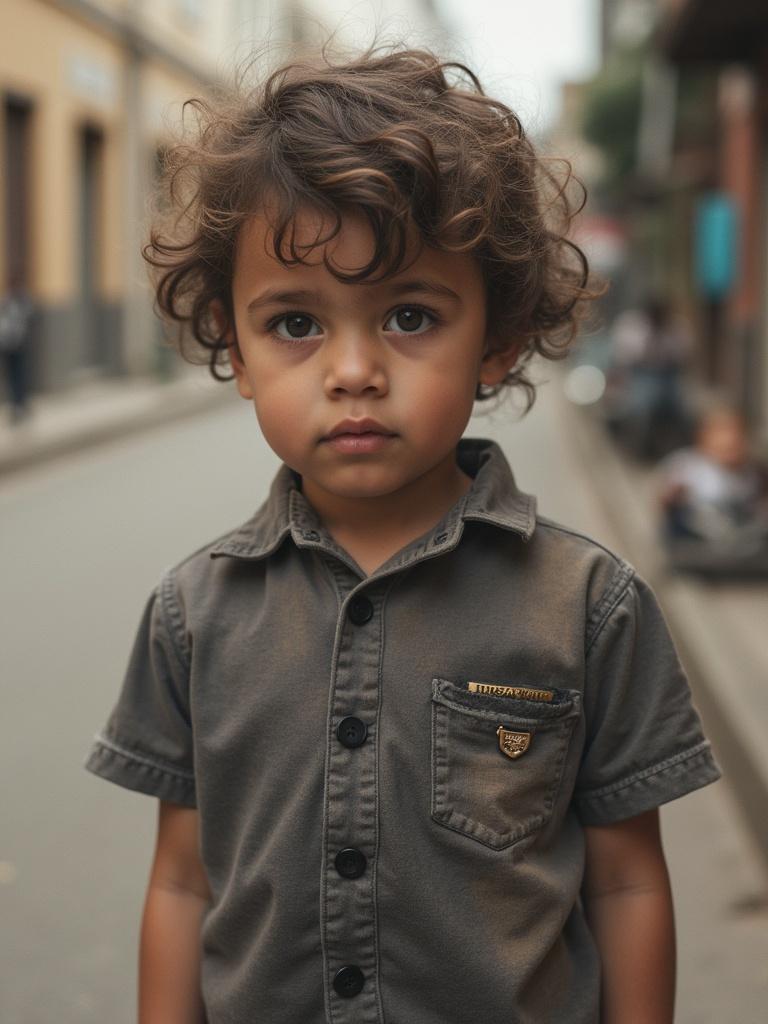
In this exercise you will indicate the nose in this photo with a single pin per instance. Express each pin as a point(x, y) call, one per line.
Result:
point(355, 366)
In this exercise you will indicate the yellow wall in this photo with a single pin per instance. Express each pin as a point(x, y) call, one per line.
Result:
point(79, 81)
point(75, 74)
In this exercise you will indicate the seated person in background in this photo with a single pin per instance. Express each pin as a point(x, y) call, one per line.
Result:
point(716, 491)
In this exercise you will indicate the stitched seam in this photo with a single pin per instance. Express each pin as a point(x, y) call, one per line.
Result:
point(141, 759)
point(380, 1006)
point(173, 620)
point(645, 773)
point(329, 1009)
point(552, 525)
point(607, 604)
point(328, 571)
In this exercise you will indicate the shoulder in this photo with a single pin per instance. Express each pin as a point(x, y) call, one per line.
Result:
point(572, 538)
point(203, 581)
point(563, 542)
point(581, 569)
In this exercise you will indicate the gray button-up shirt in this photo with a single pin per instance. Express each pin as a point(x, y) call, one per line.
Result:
point(509, 680)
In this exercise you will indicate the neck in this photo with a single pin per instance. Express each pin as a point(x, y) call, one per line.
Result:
point(410, 510)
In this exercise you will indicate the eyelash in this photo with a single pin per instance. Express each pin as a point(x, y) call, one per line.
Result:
point(272, 324)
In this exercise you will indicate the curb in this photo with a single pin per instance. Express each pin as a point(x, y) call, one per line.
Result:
point(737, 734)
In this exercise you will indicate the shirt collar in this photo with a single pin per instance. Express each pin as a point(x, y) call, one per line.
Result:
point(494, 498)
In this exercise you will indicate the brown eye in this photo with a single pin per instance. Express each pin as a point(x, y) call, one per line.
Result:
point(295, 325)
point(409, 320)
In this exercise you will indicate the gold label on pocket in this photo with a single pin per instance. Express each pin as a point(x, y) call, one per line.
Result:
point(513, 744)
point(519, 692)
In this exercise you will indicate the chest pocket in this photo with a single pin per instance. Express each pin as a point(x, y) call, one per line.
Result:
point(497, 762)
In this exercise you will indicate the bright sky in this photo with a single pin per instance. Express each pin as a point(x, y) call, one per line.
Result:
point(523, 49)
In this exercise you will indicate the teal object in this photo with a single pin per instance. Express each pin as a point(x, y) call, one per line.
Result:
point(716, 245)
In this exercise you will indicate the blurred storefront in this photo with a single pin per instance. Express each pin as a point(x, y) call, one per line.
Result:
point(729, 42)
point(89, 89)
point(680, 114)
point(85, 86)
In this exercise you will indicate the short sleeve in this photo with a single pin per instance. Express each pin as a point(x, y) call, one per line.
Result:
point(644, 743)
point(146, 744)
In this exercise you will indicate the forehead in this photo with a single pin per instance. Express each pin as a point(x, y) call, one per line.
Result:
point(722, 422)
point(349, 251)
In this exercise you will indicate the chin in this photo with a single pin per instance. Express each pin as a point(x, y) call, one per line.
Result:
point(356, 483)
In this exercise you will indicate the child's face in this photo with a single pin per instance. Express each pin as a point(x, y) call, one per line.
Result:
point(406, 352)
point(723, 437)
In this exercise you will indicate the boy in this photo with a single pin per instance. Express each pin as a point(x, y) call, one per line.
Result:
point(408, 738)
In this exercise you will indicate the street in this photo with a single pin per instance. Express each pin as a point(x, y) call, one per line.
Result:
point(83, 541)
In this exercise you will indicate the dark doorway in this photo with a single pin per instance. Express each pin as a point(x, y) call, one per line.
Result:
point(17, 124)
point(93, 344)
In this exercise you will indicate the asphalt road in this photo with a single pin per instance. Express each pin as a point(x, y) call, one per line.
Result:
point(82, 542)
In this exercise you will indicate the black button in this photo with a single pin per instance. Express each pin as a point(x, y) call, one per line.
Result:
point(350, 863)
point(440, 538)
point(351, 732)
point(359, 610)
point(311, 535)
point(348, 981)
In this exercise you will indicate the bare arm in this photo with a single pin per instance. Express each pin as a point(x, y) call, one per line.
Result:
point(177, 896)
point(629, 908)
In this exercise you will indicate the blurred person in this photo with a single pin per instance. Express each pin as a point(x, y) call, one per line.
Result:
point(408, 738)
point(16, 320)
point(651, 349)
point(714, 496)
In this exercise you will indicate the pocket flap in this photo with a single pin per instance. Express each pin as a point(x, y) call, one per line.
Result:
point(564, 702)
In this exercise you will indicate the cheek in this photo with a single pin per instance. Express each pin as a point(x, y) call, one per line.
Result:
point(435, 411)
point(444, 389)
point(282, 408)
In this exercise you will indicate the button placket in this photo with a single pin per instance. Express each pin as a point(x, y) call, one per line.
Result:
point(348, 918)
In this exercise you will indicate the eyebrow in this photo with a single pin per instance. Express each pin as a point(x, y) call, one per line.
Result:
point(422, 285)
point(273, 296)
point(277, 296)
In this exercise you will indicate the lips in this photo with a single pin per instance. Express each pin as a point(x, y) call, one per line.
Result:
point(363, 426)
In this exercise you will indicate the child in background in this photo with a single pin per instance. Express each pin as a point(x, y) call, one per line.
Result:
point(714, 495)
point(408, 737)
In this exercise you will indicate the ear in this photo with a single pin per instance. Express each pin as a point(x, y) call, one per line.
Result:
point(496, 365)
point(235, 358)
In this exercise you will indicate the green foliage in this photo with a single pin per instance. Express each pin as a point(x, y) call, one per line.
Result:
point(697, 106)
point(611, 116)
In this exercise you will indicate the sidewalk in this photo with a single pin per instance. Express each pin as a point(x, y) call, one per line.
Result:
point(721, 628)
point(100, 410)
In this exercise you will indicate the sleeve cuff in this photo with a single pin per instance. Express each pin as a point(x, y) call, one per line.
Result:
point(643, 790)
point(134, 771)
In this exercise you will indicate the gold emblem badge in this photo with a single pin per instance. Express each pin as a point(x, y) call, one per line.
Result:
point(513, 744)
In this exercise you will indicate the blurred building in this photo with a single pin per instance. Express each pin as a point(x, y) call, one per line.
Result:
point(680, 111)
point(624, 22)
point(728, 42)
point(565, 138)
point(89, 90)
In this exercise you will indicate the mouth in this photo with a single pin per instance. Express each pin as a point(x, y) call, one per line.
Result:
point(365, 428)
point(359, 437)
point(357, 434)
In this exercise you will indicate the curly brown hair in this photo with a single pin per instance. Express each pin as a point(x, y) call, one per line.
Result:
point(406, 140)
